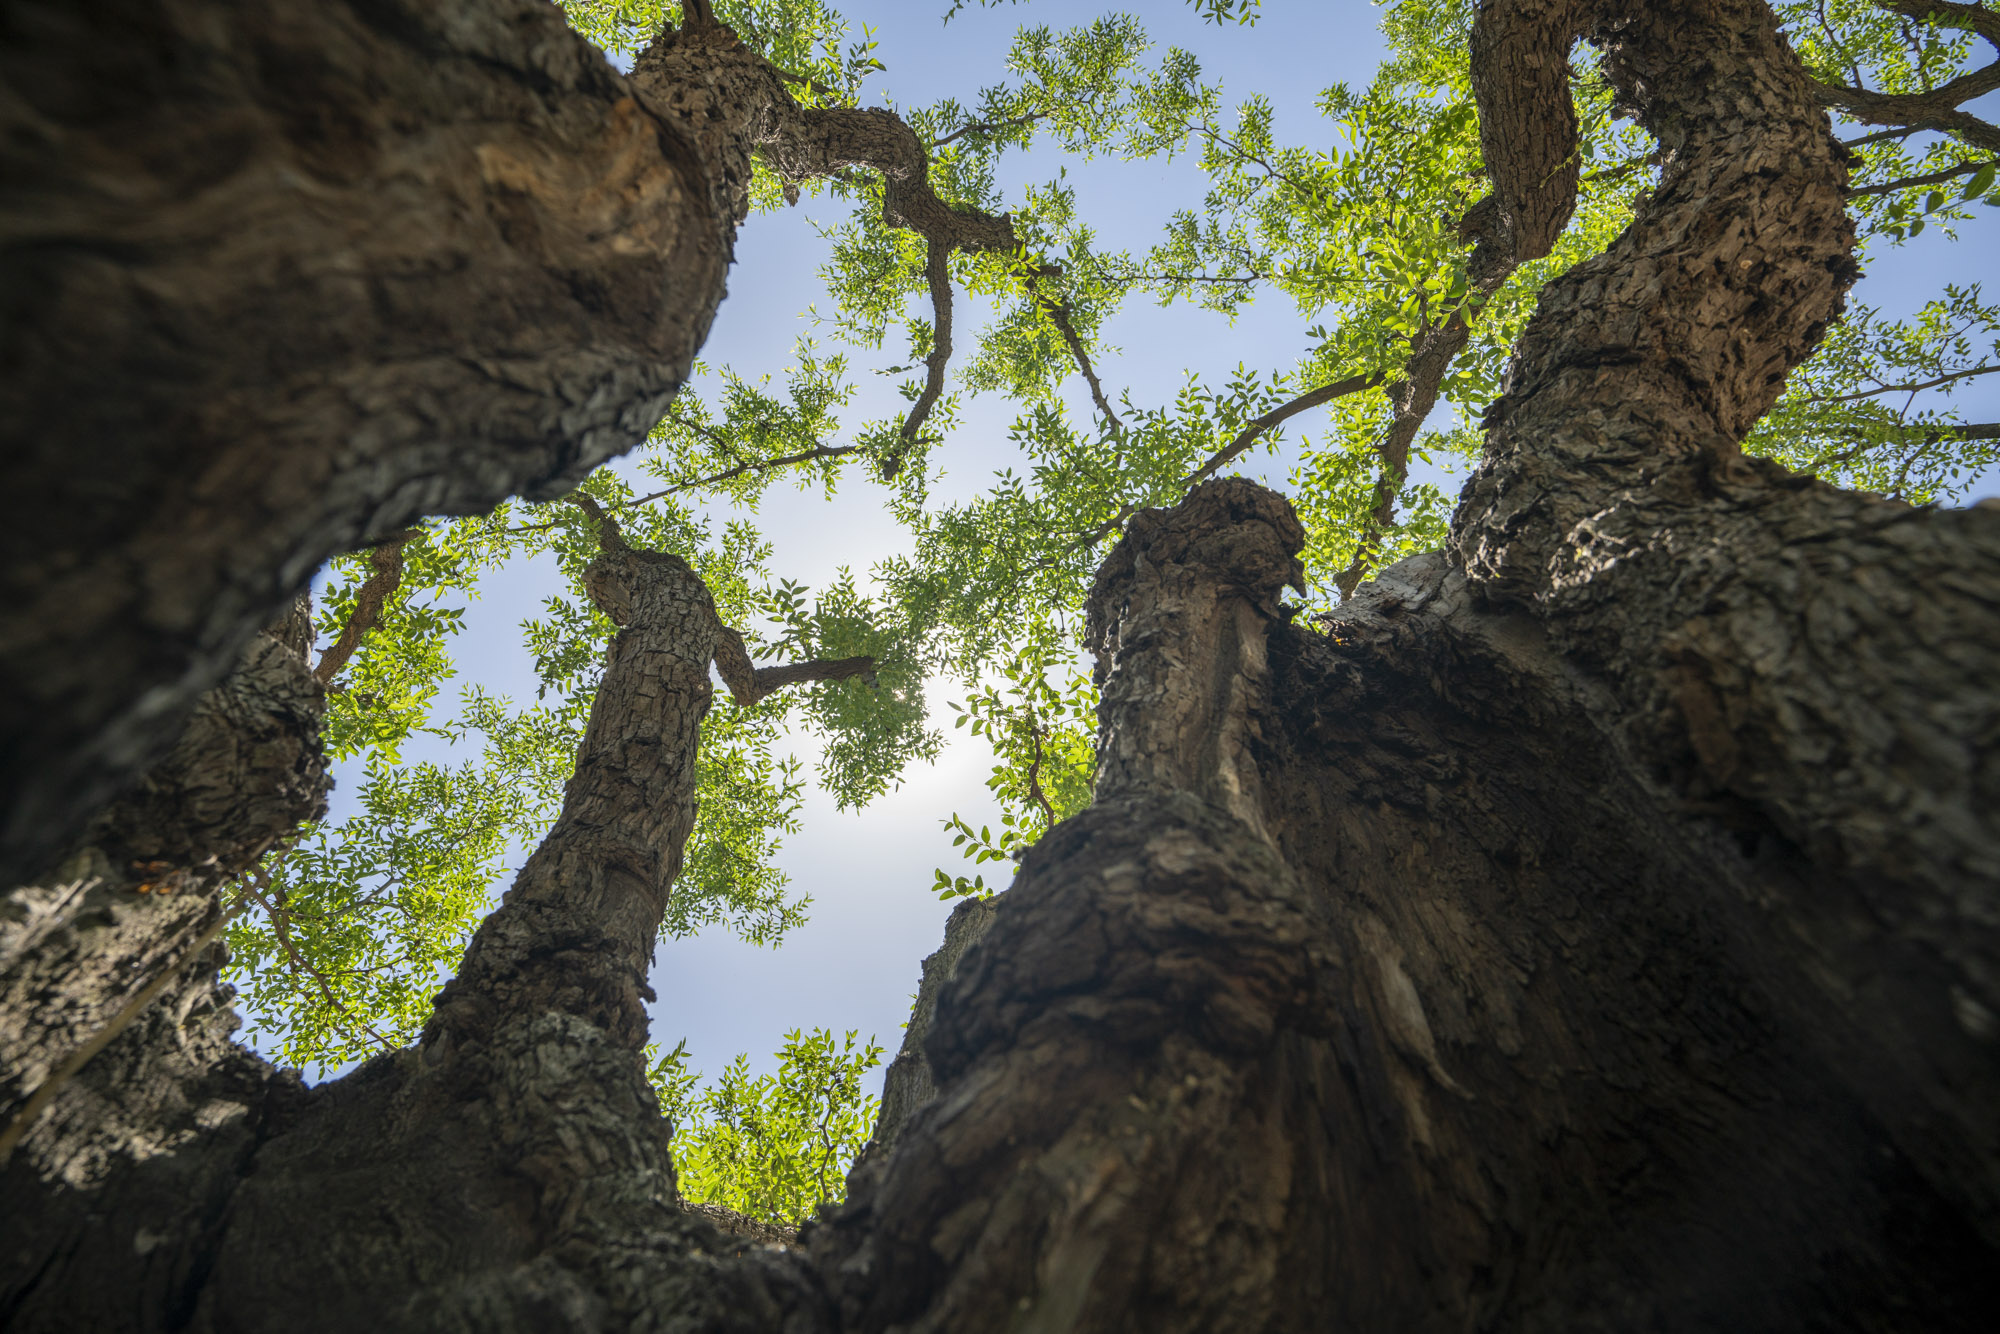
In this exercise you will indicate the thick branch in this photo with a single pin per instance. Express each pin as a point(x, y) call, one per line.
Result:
point(387, 560)
point(748, 684)
point(575, 933)
point(1527, 127)
point(1528, 133)
point(1937, 109)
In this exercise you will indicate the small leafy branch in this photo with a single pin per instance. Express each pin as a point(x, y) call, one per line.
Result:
point(1042, 730)
point(775, 1147)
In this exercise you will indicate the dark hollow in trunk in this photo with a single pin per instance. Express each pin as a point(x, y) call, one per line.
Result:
point(1593, 929)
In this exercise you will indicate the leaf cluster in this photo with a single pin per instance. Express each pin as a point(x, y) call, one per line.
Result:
point(775, 1147)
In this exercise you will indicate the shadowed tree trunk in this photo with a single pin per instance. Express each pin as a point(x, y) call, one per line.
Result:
point(1594, 929)
point(280, 277)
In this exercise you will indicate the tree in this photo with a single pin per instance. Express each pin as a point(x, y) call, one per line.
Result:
point(1586, 924)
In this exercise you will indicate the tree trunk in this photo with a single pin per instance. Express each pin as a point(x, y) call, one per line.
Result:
point(280, 277)
point(115, 1052)
point(1594, 930)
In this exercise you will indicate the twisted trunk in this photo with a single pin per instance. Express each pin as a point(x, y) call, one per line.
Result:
point(1594, 930)
point(279, 278)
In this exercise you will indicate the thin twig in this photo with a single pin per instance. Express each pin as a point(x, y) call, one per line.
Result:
point(1880, 135)
point(1035, 769)
point(1059, 315)
point(1901, 388)
point(688, 484)
point(1911, 182)
point(1244, 438)
point(754, 465)
point(282, 931)
point(988, 127)
point(1247, 437)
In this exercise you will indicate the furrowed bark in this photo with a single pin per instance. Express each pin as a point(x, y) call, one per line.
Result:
point(278, 279)
point(1593, 931)
point(1765, 636)
point(1627, 924)
point(124, 1107)
point(513, 1166)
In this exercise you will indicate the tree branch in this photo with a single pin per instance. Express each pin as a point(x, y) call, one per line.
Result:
point(754, 465)
point(989, 127)
point(1059, 315)
point(387, 560)
point(1937, 109)
point(1969, 431)
point(1035, 793)
point(280, 928)
point(1933, 178)
point(937, 271)
point(748, 684)
point(1910, 388)
point(1249, 435)
point(1881, 135)
point(1242, 441)
point(1528, 133)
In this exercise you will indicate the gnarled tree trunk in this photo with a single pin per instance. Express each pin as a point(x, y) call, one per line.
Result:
point(1593, 929)
point(278, 278)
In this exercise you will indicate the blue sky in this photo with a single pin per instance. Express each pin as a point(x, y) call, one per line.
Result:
point(873, 917)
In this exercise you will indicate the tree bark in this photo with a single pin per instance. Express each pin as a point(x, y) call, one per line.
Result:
point(1594, 930)
point(125, 1110)
point(279, 278)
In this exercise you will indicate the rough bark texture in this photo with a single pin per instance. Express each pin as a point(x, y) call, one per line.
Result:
point(909, 1083)
point(124, 1161)
point(279, 277)
point(1594, 930)
point(1603, 936)
point(513, 1165)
